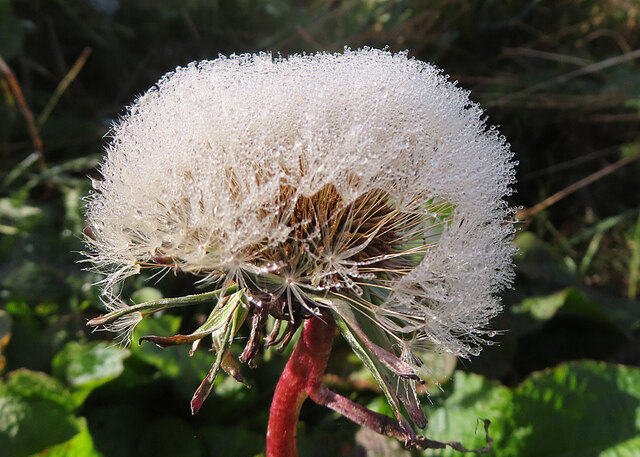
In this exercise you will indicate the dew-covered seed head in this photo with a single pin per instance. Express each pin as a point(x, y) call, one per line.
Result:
point(364, 175)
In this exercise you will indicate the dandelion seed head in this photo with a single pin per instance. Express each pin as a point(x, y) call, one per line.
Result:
point(365, 173)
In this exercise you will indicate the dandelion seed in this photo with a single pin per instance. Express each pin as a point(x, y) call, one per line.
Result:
point(124, 325)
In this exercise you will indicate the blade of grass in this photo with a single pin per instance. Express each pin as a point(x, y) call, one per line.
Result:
point(589, 69)
point(592, 249)
point(19, 169)
point(603, 226)
point(562, 58)
point(63, 85)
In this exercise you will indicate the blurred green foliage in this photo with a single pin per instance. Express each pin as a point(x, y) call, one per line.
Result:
point(560, 77)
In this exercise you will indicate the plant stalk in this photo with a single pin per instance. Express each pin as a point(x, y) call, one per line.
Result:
point(302, 374)
point(302, 378)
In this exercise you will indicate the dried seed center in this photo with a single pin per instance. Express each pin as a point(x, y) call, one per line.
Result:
point(334, 245)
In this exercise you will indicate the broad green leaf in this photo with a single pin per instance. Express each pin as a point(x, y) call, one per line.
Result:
point(86, 367)
point(32, 384)
point(81, 445)
point(28, 346)
point(457, 418)
point(35, 414)
point(146, 294)
point(543, 292)
point(576, 409)
point(537, 263)
point(116, 425)
point(436, 368)
point(579, 409)
point(629, 448)
point(533, 312)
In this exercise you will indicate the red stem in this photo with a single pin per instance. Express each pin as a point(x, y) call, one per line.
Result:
point(302, 374)
point(302, 377)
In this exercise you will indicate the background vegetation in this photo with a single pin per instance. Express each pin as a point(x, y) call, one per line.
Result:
point(562, 80)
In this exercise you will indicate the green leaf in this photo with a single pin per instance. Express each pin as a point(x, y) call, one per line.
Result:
point(630, 149)
point(532, 313)
point(458, 417)
point(116, 425)
point(578, 409)
point(15, 214)
point(629, 448)
point(86, 367)
point(617, 317)
point(538, 267)
point(81, 445)
point(31, 384)
point(436, 368)
point(28, 346)
point(146, 294)
point(35, 414)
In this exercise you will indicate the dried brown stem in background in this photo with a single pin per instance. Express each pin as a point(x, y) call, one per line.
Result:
point(524, 214)
point(34, 132)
